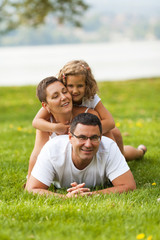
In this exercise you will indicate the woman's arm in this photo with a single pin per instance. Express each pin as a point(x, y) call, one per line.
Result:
point(106, 118)
point(40, 140)
point(104, 122)
point(42, 122)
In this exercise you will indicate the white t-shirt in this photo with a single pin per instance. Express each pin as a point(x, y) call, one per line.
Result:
point(54, 163)
point(91, 103)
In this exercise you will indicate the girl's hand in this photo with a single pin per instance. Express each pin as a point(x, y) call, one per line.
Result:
point(61, 129)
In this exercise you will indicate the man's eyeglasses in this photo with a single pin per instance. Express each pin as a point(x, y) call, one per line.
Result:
point(83, 138)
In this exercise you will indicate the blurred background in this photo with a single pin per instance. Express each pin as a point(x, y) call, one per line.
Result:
point(119, 39)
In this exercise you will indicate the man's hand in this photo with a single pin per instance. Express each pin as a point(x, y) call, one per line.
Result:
point(78, 190)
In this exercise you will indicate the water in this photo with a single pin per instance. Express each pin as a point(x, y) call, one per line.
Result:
point(108, 61)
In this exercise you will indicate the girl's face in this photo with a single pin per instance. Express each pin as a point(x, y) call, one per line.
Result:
point(76, 86)
point(58, 99)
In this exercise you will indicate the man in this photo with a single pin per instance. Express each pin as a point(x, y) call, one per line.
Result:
point(83, 159)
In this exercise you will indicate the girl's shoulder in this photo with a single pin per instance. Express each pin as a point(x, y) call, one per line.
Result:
point(92, 102)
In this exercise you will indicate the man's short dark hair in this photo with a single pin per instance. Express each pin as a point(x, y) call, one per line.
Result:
point(86, 119)
point(41, 88)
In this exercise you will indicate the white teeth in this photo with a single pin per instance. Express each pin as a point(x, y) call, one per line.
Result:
point(65, 104)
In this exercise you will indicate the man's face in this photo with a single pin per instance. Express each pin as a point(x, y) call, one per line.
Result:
point(84, 150)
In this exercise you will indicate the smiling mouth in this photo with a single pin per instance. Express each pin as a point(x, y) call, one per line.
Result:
point(65, 104)
point(75, 95)
point(87, 150)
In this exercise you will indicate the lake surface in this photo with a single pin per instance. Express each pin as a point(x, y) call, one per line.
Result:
point(108, 61)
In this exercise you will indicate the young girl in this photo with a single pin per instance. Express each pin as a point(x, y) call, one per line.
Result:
point(79, 80)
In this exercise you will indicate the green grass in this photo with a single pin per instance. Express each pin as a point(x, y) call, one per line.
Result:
point(135, 106)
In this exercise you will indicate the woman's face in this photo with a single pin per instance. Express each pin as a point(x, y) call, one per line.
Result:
point(58, 98)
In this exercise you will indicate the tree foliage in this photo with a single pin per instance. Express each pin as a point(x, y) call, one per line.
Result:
point(14, 13)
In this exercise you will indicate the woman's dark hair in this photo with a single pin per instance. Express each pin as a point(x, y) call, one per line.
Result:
point(41, 88)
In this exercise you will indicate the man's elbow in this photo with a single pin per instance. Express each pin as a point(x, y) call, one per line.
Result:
point(28, 188)
point(132, 186)
point(30, 185)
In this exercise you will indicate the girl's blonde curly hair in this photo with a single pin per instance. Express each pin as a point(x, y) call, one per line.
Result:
point(79, 67)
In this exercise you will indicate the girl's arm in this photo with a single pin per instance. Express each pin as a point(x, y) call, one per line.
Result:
point(106, 118)
point(42, 122)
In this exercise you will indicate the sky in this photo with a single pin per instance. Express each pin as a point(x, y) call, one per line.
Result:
point(126, 6)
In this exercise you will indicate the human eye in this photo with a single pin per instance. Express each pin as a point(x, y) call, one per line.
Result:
point(55, 96)
point(94, 138)
point(69, 86)
point(82, 138)
point(80, 85)
point(65, 90)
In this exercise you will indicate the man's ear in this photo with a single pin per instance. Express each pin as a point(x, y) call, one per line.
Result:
point(70, 135)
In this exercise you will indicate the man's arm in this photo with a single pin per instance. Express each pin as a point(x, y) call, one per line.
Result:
point(123, 183)
point(35, 186)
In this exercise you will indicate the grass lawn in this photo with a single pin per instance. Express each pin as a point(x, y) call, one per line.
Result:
point(135, 106)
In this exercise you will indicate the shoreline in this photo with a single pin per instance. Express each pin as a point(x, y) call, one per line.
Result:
point(109, 61)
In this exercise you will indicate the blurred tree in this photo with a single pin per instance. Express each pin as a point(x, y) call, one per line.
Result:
point(14, 13)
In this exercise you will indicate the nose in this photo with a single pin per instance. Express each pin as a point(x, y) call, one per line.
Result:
point(88, 143)
point(75, 90)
